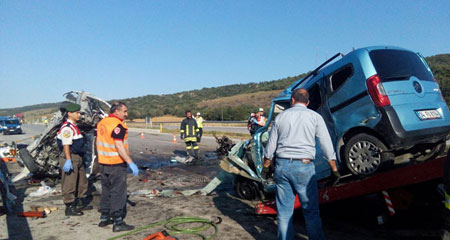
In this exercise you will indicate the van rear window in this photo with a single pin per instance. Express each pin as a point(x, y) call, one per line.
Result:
point(395, 65)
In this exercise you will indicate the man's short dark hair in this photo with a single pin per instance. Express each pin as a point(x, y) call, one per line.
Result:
point(301, 95)
point(116, 106)
point(187, 111)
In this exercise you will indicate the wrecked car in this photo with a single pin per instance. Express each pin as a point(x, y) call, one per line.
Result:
point(41, 157)
point(382, 106)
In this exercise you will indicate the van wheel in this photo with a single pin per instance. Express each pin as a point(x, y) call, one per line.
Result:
point(363, 154)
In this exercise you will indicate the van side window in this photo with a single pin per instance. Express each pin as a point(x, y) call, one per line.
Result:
point(315, 98)
point(338, 78)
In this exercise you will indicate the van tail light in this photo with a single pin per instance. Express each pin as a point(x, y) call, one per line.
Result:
point(377, 92)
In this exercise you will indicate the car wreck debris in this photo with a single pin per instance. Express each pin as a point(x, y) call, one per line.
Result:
point(225, 144)
point(41, 157)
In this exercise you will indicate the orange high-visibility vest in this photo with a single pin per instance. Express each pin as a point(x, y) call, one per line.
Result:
point(106, 150)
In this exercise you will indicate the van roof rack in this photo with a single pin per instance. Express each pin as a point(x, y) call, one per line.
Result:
point(314, 72)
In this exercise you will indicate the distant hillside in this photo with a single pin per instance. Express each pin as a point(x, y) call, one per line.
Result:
point(12, 111)
point(233, 102)
point(197, 101)
point(440, 65)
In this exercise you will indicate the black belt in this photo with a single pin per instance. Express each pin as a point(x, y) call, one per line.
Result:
point(304, 160)
point(114, 165)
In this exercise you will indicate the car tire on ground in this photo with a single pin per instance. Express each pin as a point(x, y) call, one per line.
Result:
point(363, 154)
point(248, 189)
point(28, 160)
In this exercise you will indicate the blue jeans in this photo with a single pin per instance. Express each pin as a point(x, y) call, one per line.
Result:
point(293, 176)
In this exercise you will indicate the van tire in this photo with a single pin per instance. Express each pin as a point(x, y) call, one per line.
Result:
point(363, 154)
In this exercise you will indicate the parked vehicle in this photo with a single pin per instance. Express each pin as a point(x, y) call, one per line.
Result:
point(10, 125)
point(381, 105)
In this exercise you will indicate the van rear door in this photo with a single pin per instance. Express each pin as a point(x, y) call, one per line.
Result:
point(412, 90)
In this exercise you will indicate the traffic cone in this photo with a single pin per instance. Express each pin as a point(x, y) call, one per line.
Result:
point(142, 135)
point(174, 140)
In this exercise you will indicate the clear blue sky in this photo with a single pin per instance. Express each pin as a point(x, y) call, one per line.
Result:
point(121, 49)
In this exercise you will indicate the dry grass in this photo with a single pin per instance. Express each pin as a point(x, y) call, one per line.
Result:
point(36, 115)
point(263, 98)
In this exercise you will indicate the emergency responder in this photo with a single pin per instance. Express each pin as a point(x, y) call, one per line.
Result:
point(113, 157)
point(74, 184)
point(189, 132)
point(294, 143)
point(199, 119)
point(250, 121)
point(258, 121)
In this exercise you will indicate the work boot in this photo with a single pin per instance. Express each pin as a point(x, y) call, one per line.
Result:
point(196, 154)
point(105, 221)
point(120, 225)
point(83, 204)
point(71, 210)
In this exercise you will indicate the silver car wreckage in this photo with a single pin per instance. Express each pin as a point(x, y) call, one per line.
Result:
point(41, 157)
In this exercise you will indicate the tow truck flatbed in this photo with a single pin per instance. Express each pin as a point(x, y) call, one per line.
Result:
point(395, 178)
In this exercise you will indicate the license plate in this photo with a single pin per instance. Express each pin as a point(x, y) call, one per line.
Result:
point(428, 114)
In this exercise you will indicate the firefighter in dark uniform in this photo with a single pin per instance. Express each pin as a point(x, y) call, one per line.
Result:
point(113, 158)
point(446, 180)
point(74, 182)
point(189, 132)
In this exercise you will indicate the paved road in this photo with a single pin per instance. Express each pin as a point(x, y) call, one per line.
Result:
point(29, 130)
point(153, 149)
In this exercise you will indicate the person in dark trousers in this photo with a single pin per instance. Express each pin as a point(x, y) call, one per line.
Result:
point(189, 132)
point(74, 184)
point(446, 180)
point(199, 119)
point(293, 138)
point(113, 157)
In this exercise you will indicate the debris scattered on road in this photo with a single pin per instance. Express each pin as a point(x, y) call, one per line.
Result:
point(42, 190)
point(178, 159)
point(225, 144)
point(32, 214)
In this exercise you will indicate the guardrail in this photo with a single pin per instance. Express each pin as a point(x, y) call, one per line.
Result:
point(175, 124)
point(206, 122)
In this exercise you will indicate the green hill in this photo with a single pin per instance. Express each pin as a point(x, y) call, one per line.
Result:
point(233, 102)
point(440, 65)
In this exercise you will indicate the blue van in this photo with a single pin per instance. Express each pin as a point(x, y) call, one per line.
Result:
point(9, 125)
point(381, 105)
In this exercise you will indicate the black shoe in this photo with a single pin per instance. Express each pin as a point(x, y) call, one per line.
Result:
point(105, 223)
point(83, 204)
point(73, 211)
point(122, 227)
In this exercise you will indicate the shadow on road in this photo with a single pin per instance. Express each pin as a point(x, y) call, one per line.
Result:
point(18, 227)
point(260, 227)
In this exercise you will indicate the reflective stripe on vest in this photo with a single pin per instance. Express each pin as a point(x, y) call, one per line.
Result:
point(447, 201)
point(107, 152)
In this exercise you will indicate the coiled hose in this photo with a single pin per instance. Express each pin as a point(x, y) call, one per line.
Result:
point(172, 225)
